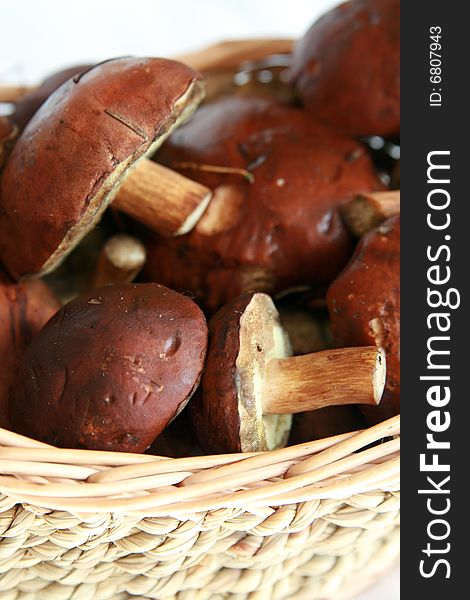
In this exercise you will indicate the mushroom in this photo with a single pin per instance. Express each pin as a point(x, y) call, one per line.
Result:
point(278, 179)
point(86, 146)
point(24, 309)
point(8, 135)
point(251, 385)
point(27, 104)
point(364, 307)
point(112, 369)
point(309, 331)
point(367, 211)
point(346, 68)
point(120, 261)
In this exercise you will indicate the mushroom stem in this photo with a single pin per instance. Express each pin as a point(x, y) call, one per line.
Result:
point(327, 378)
point(120, 261)
point(366, 211)
point(162, 199)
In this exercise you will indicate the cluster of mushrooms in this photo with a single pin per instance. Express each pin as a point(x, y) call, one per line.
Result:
point(243, 291)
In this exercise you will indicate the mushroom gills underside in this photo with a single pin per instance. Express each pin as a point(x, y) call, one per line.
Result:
point(262, 338)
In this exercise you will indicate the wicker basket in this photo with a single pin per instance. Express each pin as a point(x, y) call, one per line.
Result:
point(313, 521)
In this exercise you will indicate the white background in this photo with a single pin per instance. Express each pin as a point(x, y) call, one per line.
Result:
point(41, 36)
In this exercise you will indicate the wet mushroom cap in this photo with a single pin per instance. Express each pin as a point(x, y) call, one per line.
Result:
point(29, 103)
point(364, 307)
point(8, 135)
point(274, 223)
point(346, 68)
point(112, 369)
point(228, 415)
point(78, 147)
point(24, 308)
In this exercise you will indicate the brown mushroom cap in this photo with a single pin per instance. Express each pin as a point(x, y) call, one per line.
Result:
point(8, 135)
point(279, 230)
point(111, 369)
point(228, 416)
point(346, 68)
point(78, 147)
point(364, 306)
point(29, 103)
point(24, 309)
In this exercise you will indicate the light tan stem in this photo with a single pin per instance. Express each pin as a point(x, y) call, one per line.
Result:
point(367, 211)
point(327, 378)
point(162, 199)
point(120, 261)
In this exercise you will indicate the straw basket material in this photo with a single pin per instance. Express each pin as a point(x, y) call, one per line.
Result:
point(313, 521)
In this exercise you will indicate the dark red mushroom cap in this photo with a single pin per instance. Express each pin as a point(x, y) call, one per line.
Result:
point(78, 147)
point(27, 105)
point(346, 68)
point(364, 306)
point(111, 369)
point(8, 135)
point(228, 414)
point(24, 308)
point(277, 230)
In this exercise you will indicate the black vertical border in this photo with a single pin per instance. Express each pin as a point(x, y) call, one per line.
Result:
point(424, 129)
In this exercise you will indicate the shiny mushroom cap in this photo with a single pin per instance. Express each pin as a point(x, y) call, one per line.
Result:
point(346, 68)
point(78, 148)
point(112, 369)
point(364, 307)
point(278, 179)
point(29, 103)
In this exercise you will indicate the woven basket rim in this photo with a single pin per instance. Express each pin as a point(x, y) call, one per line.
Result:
point(89, 481)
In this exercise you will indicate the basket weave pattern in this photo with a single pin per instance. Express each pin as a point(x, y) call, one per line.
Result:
point(312, 521)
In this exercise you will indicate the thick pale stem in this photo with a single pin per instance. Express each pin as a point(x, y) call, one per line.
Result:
point(120, 261)
point(327, 378)
point(367, 211)
point(162, 199)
